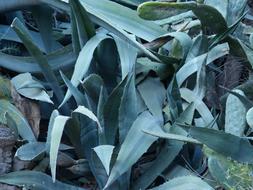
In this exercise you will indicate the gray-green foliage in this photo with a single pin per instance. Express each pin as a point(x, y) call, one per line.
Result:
point(133, 98)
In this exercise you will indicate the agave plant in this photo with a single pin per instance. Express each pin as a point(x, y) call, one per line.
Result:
point(136, 94)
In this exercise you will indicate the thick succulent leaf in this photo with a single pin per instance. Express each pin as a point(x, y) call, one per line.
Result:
point(128, 100)
point(92, 85)
point(56, 135)
point(43, 16)
point(83, 61)
point(124, 18)
point(85, 27)
point(210, 17)
point(127, 54)
point(185, 183)
point(74, 33)
point(199, 105)
point(35, 181)
point(22, 125)
point(219, 141)
point(134, 146)
point(192, 65)
point(30, 151)
point(79, 97)
point(235, 10)
point(61, 59)
point(38, 55)
point(30, 88)
point(111, 112)
point(199, 47)
point(249, 117)
point(7, 33)
point(183, 38)
point(174, 99)
point(235, 115)
point(89, 139)
point(153, 93)
point(83, 110)
point(54, 114)
point(107, 63)
point(171, 136)
point(104, 152)
point(168, 153)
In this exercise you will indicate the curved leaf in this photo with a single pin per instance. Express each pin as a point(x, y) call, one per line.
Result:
point(30, 151)
point(134, 146)
point(185, 183)
point(61, 59)
point(83, 61)
point(22, 125)
point(104, 152)
point(56, 135)
point(30, 88)
point(35, 181)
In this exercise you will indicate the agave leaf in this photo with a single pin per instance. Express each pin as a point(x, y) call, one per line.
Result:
point(111, 112)
point(120, 32)
point(134, 146)
point(61, 59)
point(92, 85)
point(83, 61)
point(54, 114)
point(12, 124)
point(153, 93)
point(235, 10)
point(89, 139)
point(186, 183)
point(30, 151)
point(240, 148)
point(56, 135)
point(7, 33)
point(79, 97)
point(235, 115)
point(104, 152)
point(206, 14)
point(128, 100)
point(22, 125)
point(108, 63)
point(43, 16)
point(144, 65)
point(174, 99)
point(191, 66)
point(183, 38)
point(85, 27)
point(249, 117)
point(199, 105)
point(168, 153)
point(34, 180)
point(83, 110)
point(74, 33)
point(125, 18)
point(30, 88)
point(41, 60)
point(127, 54)
point(171, 136)
point(199, 47)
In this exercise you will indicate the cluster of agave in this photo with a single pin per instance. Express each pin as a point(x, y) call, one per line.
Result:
point(157, 99)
